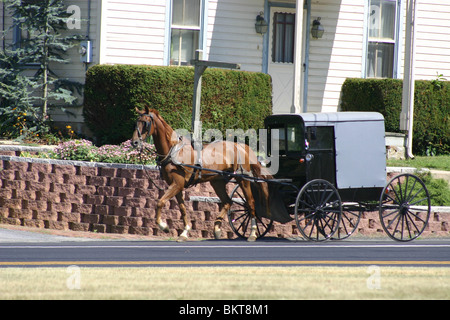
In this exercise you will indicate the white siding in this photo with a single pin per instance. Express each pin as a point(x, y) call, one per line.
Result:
point(6, 23)
point(231, 35)
point(74, 70)
point(432, 45)
point(133, 32)
point(338, 55)
point(432, 39)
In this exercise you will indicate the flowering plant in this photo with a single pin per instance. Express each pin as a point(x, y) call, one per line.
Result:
point(76, 150)
point(84, 150)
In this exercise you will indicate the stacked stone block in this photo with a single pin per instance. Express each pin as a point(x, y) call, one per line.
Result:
point(104, 198)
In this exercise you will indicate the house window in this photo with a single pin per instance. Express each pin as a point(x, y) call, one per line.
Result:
point(382, 37)
point(185, 31)
point(283, 37)
point(21, 35)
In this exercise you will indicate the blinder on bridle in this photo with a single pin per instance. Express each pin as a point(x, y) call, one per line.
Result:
point(147, 125)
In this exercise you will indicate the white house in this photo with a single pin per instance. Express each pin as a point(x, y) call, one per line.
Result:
point(362, 39)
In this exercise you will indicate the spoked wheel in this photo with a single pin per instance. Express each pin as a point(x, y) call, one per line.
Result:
point(405, 207)
point(351, 214)
point(318, 210)
point(240, 218)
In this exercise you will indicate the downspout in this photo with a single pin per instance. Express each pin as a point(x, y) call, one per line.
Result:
point(265, 50)
point(298, 59)
point(407, 114)
point(88, 29)
point(3, 27)
point(306, 63)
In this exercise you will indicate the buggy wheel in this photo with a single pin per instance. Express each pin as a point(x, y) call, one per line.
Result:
point(404, 207)
point(351, 215)
point(318, 210)
point(240, 218)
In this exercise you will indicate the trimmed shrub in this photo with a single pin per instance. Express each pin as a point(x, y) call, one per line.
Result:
point(431, 129)
point(230, 99)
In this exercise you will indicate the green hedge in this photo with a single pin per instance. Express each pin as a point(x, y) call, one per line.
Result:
point(431, 129)
point(230, 99)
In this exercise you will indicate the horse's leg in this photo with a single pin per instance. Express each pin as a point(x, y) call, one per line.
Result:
point(187, 227)
point(246, 188)
point(173, 190)
point(219, 187)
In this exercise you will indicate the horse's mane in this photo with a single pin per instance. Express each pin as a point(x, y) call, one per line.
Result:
point(167, 128)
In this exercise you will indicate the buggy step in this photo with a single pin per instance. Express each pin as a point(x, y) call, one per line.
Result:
point(205, 199)
point(212, 199)
point(280, 180)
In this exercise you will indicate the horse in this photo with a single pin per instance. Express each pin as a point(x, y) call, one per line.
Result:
point(181, 167)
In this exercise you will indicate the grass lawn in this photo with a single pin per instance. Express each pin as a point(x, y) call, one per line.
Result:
point(226, 283)
point(439, 189)
point(437, 162)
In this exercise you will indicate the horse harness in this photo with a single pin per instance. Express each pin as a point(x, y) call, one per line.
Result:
point(164, 160)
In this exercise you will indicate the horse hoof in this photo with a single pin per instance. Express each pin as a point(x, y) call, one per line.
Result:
point(165, 230)
point(251, 239)
point(217, 234)
point(164, 227)
point(182, 239)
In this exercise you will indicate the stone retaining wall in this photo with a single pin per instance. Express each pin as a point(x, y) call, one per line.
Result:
point(106, 198)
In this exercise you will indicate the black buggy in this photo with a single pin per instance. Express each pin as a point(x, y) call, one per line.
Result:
point(332, 168)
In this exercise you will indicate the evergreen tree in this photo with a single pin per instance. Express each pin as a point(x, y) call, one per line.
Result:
point(17, 115)
point(43, 21)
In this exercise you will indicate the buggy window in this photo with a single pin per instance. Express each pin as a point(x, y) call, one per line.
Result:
point(320, 138)
point(290, 138)
point(295, 138)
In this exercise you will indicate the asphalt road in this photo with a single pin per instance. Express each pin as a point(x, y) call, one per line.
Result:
point(29, 249)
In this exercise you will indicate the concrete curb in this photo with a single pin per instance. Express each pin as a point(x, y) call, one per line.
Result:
point(78, 163)
point(436, 174)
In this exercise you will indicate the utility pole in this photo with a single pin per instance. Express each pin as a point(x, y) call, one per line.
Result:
point(200, 66)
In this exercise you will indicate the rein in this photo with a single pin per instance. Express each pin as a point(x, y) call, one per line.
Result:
point(146, 173)
point(148, 127)
point(163, 160)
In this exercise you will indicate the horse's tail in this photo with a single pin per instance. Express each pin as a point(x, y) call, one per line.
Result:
point(262, 186)
point(257, 171)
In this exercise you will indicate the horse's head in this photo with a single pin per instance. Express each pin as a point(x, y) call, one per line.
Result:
point(145, 126)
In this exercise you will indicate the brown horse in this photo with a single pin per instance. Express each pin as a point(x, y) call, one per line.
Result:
point(177, 159)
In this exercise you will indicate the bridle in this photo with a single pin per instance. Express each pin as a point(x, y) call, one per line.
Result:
point(147, 125)
point(161, 159)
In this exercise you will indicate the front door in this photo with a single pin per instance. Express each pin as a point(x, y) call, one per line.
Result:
point(281, 58)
